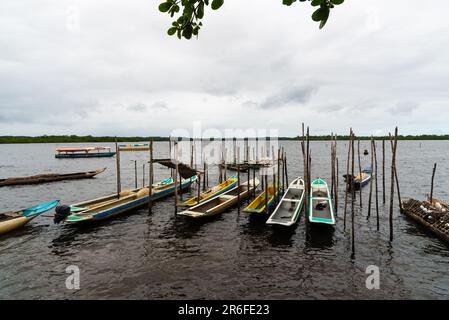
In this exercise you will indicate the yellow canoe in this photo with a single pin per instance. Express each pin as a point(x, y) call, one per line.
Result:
point(211, 193)
point(258, 205)
point(10, 221)
point(223, 202)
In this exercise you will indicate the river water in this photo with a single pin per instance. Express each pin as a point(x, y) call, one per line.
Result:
point(160, 256)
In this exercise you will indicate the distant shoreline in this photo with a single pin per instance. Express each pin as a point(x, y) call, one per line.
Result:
point(92, 139)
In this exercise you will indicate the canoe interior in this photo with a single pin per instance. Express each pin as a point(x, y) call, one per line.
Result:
point(227, 197)
point(289, 206)
point(210, 204)
point(208, 194)
point(10, 215)
point(325, 213)
point(258, 205)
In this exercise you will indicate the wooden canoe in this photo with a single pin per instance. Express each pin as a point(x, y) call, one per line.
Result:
point(223, 202)
point(110, 206)
point(321, 210)
point(10, 221)
point(289, 208)
point(211, 193)
point(258, 204)
point(359, 181)
point(50, 177)
point(135, 147)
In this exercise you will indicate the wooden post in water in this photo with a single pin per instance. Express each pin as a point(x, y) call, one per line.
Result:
point(176, 176)
point(308, 164)
point(286, 168)
point(151, 176)
point(352, 204)
point(371, 180)
point(360, 170)
point(393, 163)
point(204, 170)
point(254, 182)
point(383, 171)
point(238, 189)
point(303, 149)
point(377, 184)
point(117, 164)
point(135, 174)
point(396, 173)
point(143, 175)
point(347, 178)
point(266, 192)
point(433, 180)
point(283, 172)
point(332, 165)
point(336, 186)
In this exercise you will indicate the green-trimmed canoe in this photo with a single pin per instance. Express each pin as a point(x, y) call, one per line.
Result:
point(321, 210)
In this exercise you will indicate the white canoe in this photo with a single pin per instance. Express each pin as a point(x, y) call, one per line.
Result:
point(289, 208)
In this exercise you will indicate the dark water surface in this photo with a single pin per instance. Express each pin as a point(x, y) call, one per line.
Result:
point(229, 257)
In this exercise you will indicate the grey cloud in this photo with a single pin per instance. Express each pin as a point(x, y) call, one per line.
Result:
point(159, 105)
point(287, 96)
point(139, 107)
point(403, 108)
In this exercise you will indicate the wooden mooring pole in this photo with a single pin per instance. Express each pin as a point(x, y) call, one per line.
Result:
point(352, 204)
point(433, 180)
point(393, 164)
point(117, 166)
point(150, 179)
point(176, 177)
point(371, 180)
point(377, 185)
point(383, 173)
point(347, 180)
point(360, 171)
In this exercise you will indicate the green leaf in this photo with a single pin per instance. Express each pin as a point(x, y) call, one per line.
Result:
point(165, 6)
point(216, 4)
point(337, 2)
point(316, 3)
point(172, 31)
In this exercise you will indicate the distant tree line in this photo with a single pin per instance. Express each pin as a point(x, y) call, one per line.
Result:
point(87, 139)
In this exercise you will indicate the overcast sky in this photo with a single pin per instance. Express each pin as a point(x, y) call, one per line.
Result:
point(107, 67)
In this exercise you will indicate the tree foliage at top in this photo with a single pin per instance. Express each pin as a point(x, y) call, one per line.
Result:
point(189, 13)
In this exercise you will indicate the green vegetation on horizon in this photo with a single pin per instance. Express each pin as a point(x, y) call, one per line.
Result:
point(89, 139)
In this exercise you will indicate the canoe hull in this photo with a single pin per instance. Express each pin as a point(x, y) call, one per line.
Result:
point(46, 178)
point(13, 224)
point(127, 206)
point(85, 155)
